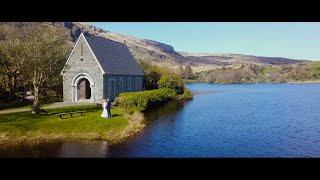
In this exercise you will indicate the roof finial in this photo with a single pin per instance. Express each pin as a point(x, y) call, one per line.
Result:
point(83, 31)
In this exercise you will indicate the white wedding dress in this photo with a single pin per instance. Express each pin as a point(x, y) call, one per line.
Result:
point(104, 112)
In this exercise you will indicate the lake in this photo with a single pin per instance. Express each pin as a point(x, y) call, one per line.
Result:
point(247, 120)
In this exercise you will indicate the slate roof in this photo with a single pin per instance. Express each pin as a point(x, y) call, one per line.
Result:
point(114, 57)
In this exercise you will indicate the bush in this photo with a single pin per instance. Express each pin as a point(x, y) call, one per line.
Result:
point(144, 100)
point(151, 79)
point(171, 82)
point(152, 75)
point(161, 77)
point(186, 95)
point(315, 70)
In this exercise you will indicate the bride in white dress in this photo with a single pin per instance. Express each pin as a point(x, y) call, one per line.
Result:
point(105, 111)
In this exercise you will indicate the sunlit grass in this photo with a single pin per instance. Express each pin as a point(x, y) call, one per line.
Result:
point(24, 126)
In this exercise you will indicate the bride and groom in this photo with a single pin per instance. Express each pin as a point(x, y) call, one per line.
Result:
point(106, 113)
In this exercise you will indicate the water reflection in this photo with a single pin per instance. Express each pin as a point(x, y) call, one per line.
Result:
point(163, 120)
point(57, 149)
point(163, 111)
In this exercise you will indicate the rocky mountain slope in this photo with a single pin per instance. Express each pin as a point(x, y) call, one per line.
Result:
point(164, 55)
point(217, 60)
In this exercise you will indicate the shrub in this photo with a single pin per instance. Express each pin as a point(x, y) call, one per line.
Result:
point(186, 95)
point(151, 79)
point(315, 70)
point(171, 82)
point(161, 77)
point(144, 100)
point(152, 75)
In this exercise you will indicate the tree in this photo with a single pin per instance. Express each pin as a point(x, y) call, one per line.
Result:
point(152, 75)
point(188, 72)
point(181, 72)
point(32, 54)
point(315, 70)
point(12, 59)
point(171, 81)
point(46, 51)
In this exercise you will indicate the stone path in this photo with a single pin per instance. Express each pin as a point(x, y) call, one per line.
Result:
point(54, 105)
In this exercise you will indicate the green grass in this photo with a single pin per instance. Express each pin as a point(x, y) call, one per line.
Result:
point(24, 126)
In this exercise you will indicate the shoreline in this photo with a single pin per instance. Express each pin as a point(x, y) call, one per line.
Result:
point(136, 124)
point(289, 82)
point(303, 82)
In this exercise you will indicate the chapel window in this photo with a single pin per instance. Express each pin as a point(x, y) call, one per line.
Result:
point(81, 53)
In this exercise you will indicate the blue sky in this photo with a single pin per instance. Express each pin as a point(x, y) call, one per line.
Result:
point(291, 40)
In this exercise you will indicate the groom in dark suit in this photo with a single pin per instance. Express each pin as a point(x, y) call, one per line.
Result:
point(108, 106)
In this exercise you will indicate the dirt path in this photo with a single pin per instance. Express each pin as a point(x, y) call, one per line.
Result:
point(54, 105)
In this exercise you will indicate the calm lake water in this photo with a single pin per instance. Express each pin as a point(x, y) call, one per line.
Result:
point(253, 120)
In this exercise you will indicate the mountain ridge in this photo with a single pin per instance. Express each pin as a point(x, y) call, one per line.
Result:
point(162, 54)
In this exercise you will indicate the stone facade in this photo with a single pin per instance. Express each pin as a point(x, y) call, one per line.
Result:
point(83, 64)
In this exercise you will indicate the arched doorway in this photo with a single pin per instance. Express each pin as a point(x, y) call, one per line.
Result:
point(84, 89)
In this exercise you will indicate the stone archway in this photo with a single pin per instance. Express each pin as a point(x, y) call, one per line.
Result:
point(83, 88)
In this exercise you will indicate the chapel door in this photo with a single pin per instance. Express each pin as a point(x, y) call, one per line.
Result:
point(82, 89)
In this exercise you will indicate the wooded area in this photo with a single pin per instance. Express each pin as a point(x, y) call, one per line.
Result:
point(31, 58)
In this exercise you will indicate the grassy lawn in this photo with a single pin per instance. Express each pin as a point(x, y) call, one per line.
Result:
point(26, 127)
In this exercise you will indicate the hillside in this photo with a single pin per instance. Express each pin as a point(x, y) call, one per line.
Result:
point(230, 60)
point(165, 55)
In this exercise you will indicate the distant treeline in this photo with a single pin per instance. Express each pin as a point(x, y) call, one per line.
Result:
point(252, 73)
point(245, 73)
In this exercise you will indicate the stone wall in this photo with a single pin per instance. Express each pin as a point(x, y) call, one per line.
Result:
point(82, 67)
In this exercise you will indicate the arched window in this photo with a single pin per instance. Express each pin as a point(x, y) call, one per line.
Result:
point(122, 85)
point(120, 88)
point(81, 49)
point(137, 84)
point(125, 84)
point(81, 53)
point(111, 89)
point(129, 83)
